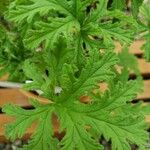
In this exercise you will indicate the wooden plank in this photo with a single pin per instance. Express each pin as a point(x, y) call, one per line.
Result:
point(13, 96)
point(146, 93)
point(135, 48)
point(144, 66)
point(16, 97)
point(32, 95)
point(148, 119)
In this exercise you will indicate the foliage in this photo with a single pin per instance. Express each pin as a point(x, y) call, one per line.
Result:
point(145, 22)
point(69, 45)
point(3, 5)
point(12, 55)
point(122, 4)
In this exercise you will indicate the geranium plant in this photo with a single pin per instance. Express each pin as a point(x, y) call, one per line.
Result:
point(67, 49)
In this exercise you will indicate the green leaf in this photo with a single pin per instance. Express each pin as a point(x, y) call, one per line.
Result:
point(24, 120)
point(115, 31)
point(96, 70)
point(20, 12)
point(65, 48)
point(145, 13)
point(119, 95)
point(42, 138)
point(76, 135)
point(49, 32)
point(34, 73)
point(136, 6)
point(122, 130)
point(128, 61)
point(3, 5)
point(48, 75)
point(43, 135)
point(119, 4)
point(102, 116)
point(12, 54)
point(110, 30)
point(96, 14)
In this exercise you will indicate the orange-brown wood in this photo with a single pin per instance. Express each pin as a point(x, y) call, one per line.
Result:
point(3, 120)
point(148, 119)
point(146, 94)
point(13, 96)
point(144, 66)
point(37, 97)
point(135, 48)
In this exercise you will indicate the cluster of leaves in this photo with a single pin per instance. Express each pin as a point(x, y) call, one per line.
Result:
point(45, 23)
point(12, 55)
point(123, 4)
point(3, 6)
point(69, 46)
point(12, 50)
